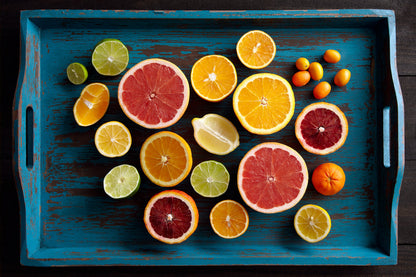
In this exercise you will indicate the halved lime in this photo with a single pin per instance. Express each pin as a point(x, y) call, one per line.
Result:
point(77, 73)
point(110, 57)
point(122, 181)
point(210, 179)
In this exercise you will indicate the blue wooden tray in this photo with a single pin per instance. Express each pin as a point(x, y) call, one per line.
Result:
point(66, 218)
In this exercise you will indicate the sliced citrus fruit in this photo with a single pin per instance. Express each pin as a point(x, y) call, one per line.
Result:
point(312, 223)
point(122, 181)
point(92, 104)
point(328, 178)
point(264, 103)
point(210, 178)
point(213, 77)
point(166, 158)
point(216, 134)
point(112, 139)
point(171, 216)
point(110, 57)
point(321, 128)
point(76, 73)
point(154, 93)
point(256, 49)
point(229, 219)
point(272, 177)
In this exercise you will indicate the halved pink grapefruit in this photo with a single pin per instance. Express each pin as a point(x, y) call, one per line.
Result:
point(154, 93)
point(321, 128)
point(272, 177)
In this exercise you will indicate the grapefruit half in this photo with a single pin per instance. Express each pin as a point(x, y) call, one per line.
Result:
point(154, 93)
point(272, 177)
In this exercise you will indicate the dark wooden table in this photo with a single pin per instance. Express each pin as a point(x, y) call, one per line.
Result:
point(9, 60)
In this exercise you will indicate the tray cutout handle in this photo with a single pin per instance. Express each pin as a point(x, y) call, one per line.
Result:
point(386, 137)
point(29, 137)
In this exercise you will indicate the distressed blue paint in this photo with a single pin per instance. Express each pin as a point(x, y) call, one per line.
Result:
point(68, 220)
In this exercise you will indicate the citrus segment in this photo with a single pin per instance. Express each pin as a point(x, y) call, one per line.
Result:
point(229, 219)
point(171, 216)
point(210, 178)
point(122, 181)
point(264, 103)
point(213, 77)
point(256, 49)
point(110, 57)
point(328, 178)
point(112, 139)
point(166, 158)
point(76, 73)
point(312, 223)
point(154, 93)
point(215, 134)
point(92, 104)
point(272, 177)
point(321, 128)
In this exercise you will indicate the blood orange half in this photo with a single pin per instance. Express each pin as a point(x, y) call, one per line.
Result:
point(272, 177)
point(171, 216)
point(321, 128)
point(154, 93)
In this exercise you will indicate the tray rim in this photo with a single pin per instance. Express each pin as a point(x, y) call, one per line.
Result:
point(37, 258)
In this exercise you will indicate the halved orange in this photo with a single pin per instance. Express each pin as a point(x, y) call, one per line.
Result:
point(166, 158)
point(264, 103)
point(229, 219)
point(321, 128)
point(92, 104)
point(213, 77)
point(171, 216)
point(256, 49)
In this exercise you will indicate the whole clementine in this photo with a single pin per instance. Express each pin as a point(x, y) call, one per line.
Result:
point(328, 178)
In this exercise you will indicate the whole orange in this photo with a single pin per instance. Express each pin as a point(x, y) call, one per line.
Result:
point(301, 78)
point(321, 90)
point(328, 178)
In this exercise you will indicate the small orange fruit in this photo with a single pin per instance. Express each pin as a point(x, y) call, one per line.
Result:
point(171, 216)
point(166, 158)
point(302, 64)
point(321, 90)
point(316, 71)
point(229, 219)
point(328, 178)
point(342, 77)
point(92, 104)
point(213, 77)
point(301, 78)
point(256, 49)
point(332, 56)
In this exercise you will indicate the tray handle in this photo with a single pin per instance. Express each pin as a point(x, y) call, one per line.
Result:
point(26, 126)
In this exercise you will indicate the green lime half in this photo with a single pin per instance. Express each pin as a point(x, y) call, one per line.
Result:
point(77, 73)
point(110, 57)
point(210, 179)
point(122, 181)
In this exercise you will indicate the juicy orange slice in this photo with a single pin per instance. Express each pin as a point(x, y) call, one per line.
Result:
point(112, 139)
point(229, 219)
point(213, 77)
point(92, 104)
point(264, 103)
point(256, 49)
point(166, 158)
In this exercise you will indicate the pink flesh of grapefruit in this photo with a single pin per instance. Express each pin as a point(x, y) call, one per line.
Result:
point(272, 177)
point(154, 93)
